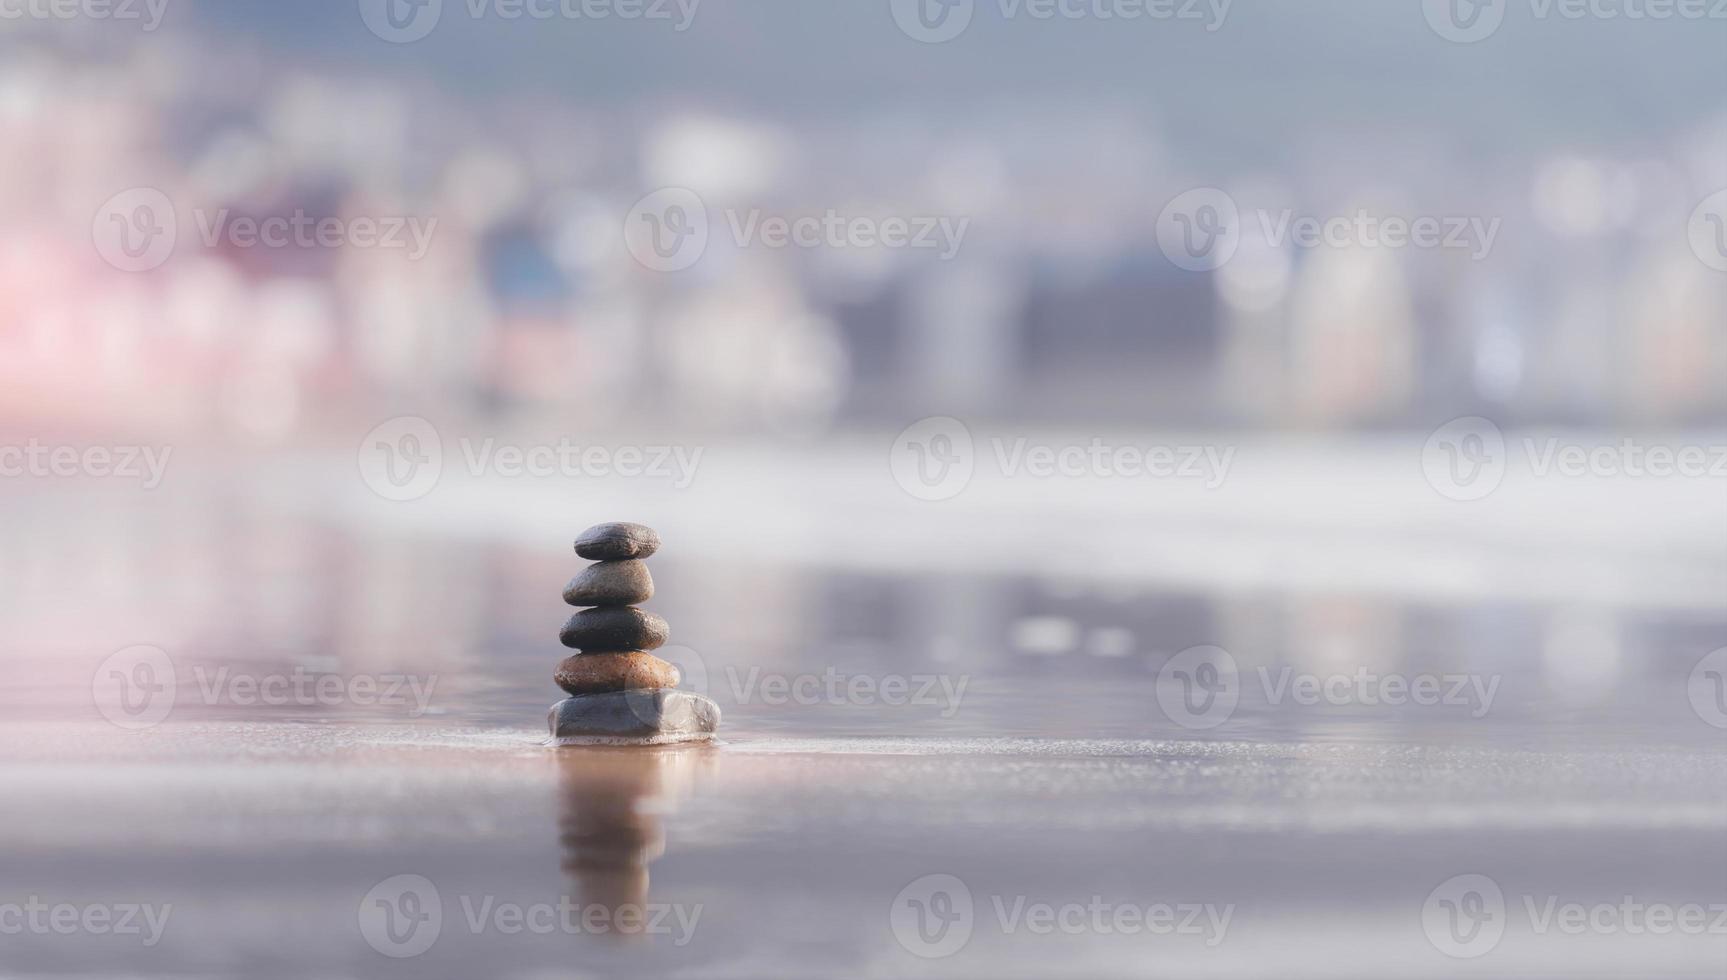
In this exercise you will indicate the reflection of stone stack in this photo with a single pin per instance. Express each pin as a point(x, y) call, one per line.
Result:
point(610, 822)
point(608, 835)
point(618, 689)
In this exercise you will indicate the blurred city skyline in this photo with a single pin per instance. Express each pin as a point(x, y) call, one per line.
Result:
point(488, 197)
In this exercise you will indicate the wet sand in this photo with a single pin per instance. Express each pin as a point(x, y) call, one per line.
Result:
point(435, 833)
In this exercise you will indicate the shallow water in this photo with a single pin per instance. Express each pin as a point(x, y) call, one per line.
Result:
point(882, 725)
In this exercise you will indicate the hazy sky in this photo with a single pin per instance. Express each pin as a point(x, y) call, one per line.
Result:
point(1270, 68)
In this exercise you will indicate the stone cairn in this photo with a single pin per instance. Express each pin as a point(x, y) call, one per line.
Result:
point(619, 691)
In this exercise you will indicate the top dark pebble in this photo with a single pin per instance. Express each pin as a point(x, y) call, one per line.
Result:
point(609, 542)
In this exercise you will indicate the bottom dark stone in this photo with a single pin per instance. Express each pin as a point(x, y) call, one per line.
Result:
point(647, 717)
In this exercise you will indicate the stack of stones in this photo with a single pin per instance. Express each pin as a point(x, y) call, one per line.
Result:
point(618, 689)
point(614, 637)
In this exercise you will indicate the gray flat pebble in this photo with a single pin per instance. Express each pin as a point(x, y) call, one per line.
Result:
point(611, 583)
point(651, 716)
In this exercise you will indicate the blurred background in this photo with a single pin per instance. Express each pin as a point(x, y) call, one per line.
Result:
point(309, 267)
point(527, 140)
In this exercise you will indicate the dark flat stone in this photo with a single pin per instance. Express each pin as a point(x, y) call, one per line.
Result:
point(606, 542)
point(662, 715)
point(611, 583)
point(614, 628)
